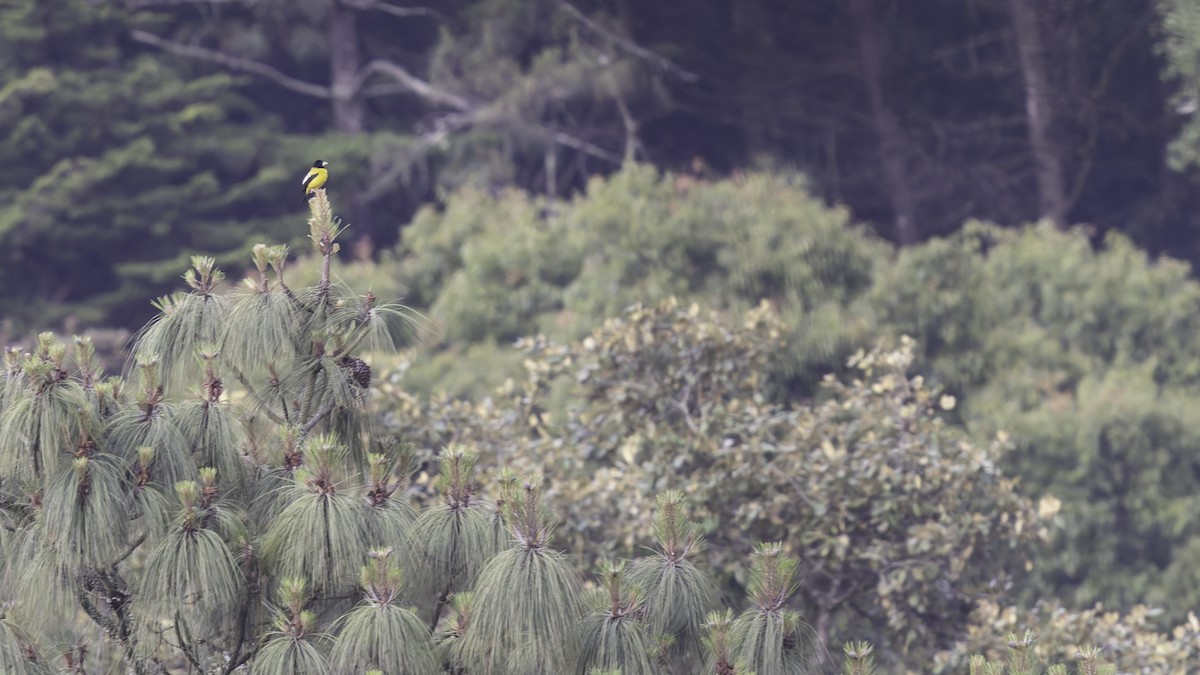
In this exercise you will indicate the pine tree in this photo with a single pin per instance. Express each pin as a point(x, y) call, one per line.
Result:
point(233, 469)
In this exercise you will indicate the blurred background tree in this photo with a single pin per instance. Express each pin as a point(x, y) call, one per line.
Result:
point(1079, 355)
point(190, 121)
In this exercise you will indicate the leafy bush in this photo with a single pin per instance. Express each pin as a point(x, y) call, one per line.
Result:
point(1078, 354)
point(897, 515)
point(1130, 640)
point(492, 270)
point(1084, 357)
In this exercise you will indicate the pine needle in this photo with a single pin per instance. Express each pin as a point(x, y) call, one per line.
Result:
point(84, 513)
point(18, 654)
point(527, 601)
point(261, 331)
point(211, 434)
point(285, 655)
point(383, 636)
point(317, 535)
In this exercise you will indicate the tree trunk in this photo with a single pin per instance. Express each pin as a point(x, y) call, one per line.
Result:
point(755, 44)
point(1039, 114)
point(822, 631)
point(348, 114)
point(872, 48)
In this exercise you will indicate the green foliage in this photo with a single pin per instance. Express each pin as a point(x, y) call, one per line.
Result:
point(613, 637)
point(457, 534)
point(499, 269)
point(84, 514)
point(1094, 639)
point(1047, 343)
point(274, 313)
point(527, 600)
point(380, 634)
point(1082, 357)
point(85, 462)
point(186, 324)
point(1181, 47)
point(859, 658)
point(718, 627)
point(677, 594)
point(112, 158)
point(766, 637)
point(318, 532)
point(277, 510)
point(671, 397)
point(191, 572)
point(293, 647)
point(1075, 357)
point(17, 652)
point(905, 521)
point(45, 412)
point(211, 432)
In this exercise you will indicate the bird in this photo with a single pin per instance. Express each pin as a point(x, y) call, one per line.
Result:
point(315, 178)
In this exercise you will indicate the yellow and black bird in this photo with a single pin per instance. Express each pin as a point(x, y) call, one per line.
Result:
point(316, 177)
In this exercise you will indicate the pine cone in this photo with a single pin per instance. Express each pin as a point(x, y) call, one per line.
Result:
point(359, 371)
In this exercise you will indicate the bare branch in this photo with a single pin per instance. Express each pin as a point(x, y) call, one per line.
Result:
point(389, 89)
point(567, 140)
point(142, 4)
point(394, 10)
point(234, 63)
point(414, 84)
point(628, 45)
point(632, 142)
point(449, 124)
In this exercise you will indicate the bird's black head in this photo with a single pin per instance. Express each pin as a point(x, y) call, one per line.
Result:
point(320, 164)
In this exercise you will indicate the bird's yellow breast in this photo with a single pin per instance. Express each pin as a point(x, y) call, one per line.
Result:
point(315, 178)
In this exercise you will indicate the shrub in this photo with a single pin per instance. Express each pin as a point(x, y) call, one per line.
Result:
point(893, 511)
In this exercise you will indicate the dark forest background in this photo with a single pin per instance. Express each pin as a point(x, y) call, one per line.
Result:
point(131, 131)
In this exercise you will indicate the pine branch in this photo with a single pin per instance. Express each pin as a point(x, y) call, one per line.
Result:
point(234, 63)
point(132, 547)
point(183, 645)
point(236, 658)
point(356, 339)
point(306, 403)
point(254, 394)
point(113, 614)
point(444, 598)
point(316, 419)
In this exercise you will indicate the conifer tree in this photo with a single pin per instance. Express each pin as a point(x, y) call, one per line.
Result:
point(768, 637)
point(527, 600)
point(231, 471)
